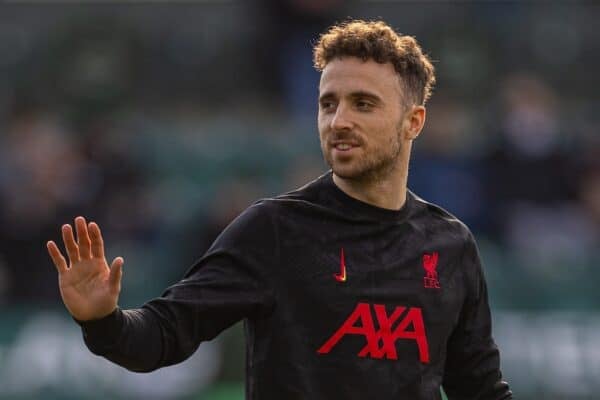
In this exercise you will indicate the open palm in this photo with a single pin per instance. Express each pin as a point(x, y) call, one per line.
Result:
point(89, 288)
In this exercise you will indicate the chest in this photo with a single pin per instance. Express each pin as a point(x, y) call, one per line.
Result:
point(380, 263)
point(371, 288)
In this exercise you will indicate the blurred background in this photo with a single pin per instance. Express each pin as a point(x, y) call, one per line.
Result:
point(163, 121)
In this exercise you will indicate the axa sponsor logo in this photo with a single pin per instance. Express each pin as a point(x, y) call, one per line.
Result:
point(404, 323)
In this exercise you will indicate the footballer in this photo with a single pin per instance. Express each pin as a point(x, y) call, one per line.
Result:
point(350, 287)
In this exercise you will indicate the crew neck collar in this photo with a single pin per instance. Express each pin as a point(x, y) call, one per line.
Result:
point(363, 209)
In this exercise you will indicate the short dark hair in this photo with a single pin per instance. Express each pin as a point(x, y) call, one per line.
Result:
point(376, 40)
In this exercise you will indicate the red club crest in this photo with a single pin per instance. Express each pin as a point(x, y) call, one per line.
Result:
point(430, 264)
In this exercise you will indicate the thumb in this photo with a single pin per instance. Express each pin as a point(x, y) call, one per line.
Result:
point(116, 272)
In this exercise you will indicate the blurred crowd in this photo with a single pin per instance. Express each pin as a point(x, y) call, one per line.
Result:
point(162, 123)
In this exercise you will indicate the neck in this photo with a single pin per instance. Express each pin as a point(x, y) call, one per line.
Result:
point(387, 191)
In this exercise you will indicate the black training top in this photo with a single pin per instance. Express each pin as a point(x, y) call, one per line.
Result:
point(341, 299)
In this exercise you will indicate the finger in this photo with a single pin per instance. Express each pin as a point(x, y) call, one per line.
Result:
point(57, 258)
point(70, 245)
point(83, 238)
point(116, 272)
point(97, 241)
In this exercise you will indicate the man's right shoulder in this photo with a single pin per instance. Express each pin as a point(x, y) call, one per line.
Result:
point(258, 225)
point(265, 211)
point(308, 193)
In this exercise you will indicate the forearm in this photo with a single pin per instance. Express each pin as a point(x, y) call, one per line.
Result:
point(167, 330)
point(130, 338)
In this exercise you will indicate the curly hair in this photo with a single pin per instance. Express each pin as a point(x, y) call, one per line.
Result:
point(378, 41)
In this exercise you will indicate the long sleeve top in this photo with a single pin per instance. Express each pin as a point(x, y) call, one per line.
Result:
point(340, 299)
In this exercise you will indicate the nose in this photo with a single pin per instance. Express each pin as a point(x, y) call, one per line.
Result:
point(341, 120)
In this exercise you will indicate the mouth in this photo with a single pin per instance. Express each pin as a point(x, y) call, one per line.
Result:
point(344, 145)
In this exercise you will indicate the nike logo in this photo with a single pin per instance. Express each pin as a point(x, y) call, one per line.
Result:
point(341, 277)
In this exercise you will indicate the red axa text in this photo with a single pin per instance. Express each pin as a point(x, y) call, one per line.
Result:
point(382, 342)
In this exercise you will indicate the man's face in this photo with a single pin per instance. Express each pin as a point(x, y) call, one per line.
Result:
point(360, 118)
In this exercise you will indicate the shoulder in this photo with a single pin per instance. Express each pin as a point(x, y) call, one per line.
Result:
point(309, 192)
point(299, 201)
point(448, 233)
point(434, 219)
point(262, 214)
point(252, 227)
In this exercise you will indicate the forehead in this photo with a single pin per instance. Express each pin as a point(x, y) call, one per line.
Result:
point(342, 76)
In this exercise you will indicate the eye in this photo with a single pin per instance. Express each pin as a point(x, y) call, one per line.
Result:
point(363, 105)
point(327, 105)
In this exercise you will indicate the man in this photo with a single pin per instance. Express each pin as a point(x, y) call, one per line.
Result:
point(350, 287)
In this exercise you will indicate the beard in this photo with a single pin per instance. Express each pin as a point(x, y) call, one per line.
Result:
point(374, 164)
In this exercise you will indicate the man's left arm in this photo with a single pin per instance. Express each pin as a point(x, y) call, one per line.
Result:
point(472, 370)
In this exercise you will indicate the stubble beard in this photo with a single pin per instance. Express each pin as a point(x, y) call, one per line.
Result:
point(373, 166)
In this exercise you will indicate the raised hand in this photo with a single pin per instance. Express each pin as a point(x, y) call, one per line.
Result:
point(89, 288)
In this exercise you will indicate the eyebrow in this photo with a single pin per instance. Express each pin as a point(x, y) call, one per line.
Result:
point(356, 94)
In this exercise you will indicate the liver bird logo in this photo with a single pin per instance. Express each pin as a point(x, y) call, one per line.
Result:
point(430, 264)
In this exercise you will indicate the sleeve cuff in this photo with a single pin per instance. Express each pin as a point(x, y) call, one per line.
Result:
point(101, 334)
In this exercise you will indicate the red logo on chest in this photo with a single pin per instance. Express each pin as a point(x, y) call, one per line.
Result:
point(430, 264)
point(341, 277)
point(382, 342)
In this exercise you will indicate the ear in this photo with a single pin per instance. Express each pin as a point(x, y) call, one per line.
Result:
point(414, 119)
